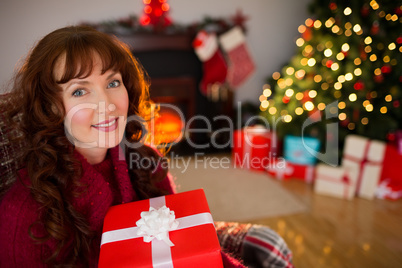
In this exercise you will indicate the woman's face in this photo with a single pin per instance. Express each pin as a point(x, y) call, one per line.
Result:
point(96, 108)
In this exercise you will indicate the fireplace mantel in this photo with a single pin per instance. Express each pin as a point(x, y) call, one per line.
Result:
point(146, 42)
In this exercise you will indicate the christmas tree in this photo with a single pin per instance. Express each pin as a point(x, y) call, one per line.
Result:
point(348, 57)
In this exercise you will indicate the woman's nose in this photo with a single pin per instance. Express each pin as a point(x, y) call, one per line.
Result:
point(105, 105)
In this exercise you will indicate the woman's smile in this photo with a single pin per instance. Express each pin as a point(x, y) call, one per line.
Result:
point(108, 125)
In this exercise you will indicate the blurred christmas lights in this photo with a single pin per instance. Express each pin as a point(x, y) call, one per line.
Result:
point(343, 78)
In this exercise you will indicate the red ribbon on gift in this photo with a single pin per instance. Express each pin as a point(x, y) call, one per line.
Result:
point(362, 163)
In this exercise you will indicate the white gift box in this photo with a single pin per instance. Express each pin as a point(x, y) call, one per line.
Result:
point(334, 181)
point(354, 153)
point(363, 158)
point(370, 178)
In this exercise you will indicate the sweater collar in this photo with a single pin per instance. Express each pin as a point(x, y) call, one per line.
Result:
point(120, 173)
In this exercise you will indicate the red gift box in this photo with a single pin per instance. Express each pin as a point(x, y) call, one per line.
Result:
point(392, 168)
point(195, 240)
point(252, 148)
point(303, 172)
point(286, 170)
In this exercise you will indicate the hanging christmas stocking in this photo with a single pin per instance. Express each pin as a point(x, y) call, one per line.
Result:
point(214, 65)
point(241, 65)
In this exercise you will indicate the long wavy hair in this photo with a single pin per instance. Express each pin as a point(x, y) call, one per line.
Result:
point(48, 158)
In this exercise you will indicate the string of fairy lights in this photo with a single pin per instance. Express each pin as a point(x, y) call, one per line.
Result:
point(332, 59)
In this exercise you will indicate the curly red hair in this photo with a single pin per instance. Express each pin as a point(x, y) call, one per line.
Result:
point(49, 155)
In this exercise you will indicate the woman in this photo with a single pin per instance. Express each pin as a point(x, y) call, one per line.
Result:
point(76, 91)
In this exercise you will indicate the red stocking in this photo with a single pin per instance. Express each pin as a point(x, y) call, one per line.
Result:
point(214, 65)
point(241, 65)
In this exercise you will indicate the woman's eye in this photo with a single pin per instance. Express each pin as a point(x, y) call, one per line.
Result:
point(114, 83)
point(79, 92)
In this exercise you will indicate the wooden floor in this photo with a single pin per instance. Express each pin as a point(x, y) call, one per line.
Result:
point(339, 233)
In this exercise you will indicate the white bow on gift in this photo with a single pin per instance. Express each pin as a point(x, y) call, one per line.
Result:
point(281, 171)
point(157, 223)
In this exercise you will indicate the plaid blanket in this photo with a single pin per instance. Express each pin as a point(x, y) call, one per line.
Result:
point(254, 245)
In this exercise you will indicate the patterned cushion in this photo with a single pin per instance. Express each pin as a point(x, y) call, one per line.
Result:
point(10, 152)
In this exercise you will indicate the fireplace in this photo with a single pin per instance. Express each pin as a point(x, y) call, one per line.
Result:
point(175, 73)
point(175, 102)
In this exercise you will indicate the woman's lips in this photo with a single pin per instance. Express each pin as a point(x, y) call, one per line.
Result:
point(107, 126)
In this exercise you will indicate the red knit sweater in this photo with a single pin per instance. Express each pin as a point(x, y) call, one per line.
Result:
point(109, 184)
